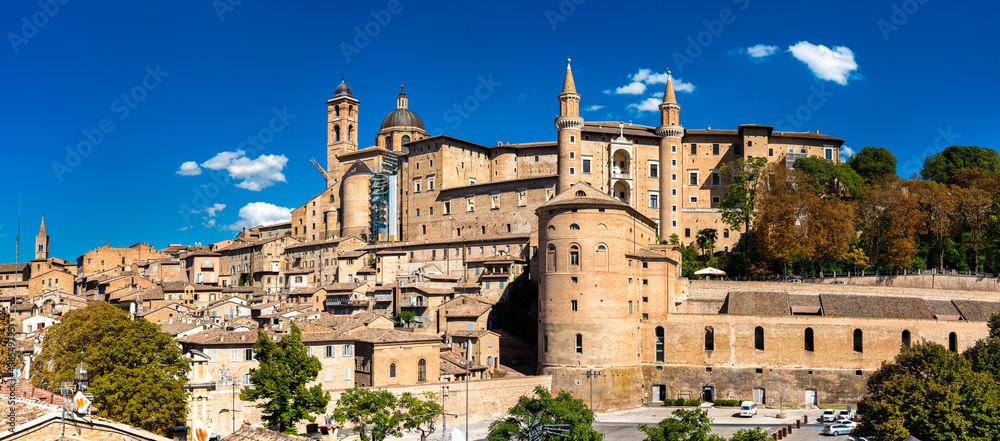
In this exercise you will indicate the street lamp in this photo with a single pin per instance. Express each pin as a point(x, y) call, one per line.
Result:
point(225, 378)
point(591, 374)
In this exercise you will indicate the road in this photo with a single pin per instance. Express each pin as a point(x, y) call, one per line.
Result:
point(623, 426)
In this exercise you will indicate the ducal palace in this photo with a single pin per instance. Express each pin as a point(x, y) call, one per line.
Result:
point(436, 217)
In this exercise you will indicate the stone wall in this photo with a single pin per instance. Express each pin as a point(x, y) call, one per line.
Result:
point(719, 289)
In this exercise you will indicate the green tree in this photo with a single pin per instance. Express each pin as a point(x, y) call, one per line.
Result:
point(136, 372)
point(674, 239)
point(755, 434)
point(377, 414)
point(940, 166)
point(684, 425)
point(933, 394)
point(283, 370)
point(829, 229)
point(872, 163)
point(544, 409)
point(737, 205)
point(706, 239)
point(406, 316)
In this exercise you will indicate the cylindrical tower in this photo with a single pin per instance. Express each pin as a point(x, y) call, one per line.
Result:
point(354, 195)
point(570, 124)
point(589, 313)
point(671, 133)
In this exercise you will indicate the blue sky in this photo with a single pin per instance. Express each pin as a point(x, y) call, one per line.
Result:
point(153, 85)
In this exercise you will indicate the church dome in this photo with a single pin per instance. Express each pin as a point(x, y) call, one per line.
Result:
point(343, 90)
point(401, 118)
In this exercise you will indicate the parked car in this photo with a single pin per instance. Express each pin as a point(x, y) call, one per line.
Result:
point(848, 423)
point(829, 416)
point(795, 280)
point(838, 282)
point(844, 415)
point(748, 409)
point(837, 429)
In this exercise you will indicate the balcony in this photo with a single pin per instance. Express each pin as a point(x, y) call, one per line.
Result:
point(617, 175)
point(383, 297)
point(207, 267)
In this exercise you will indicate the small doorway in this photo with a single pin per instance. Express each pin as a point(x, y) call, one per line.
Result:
point(811, 397)
point(659, 393)
point(708, 394)
point(759, 395)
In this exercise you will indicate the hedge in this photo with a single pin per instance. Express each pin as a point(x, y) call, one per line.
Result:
point(681, 402)
point(726, 403)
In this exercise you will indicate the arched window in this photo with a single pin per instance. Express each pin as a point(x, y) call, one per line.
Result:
point(405, 139)
point(709, 338)
point(579, 343)
point(906, 338)
point(659, 343)
point(581, 193)
point(574, 255)
point(602, 257)
point(552, 228)
point(687, 232)
point(550, 258)
point(422, 370)
point(336, 133)
point(388, 142)
point(336, 111)
point(809, 340)
point(392, 370)
point(350, 133)
point(953, 342)
point(859, 341)
point(758, 338)
point(546, 343)
point(350, 111)
point(574, 227)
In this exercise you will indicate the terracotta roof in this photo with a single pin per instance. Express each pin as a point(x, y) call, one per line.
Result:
point(452, 360)
point(392, 336)
point(426, 289)
point(977, 310)
point(941, 307)
point(499, 183)
point(257, 433)
point(178, 327)
point(493, 259)
point(313, 243)
point(471, 309)
point(646, 253)
point(13, 267)
point(758, 303)
point(265, 305)
point(473, 334)
point(220, 336)
point(342, 286)
point(442, 276)
point(181, 286)
point(314, 337)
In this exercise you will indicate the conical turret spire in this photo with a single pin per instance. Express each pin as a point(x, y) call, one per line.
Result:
point(668, 94)
point(41, 230)
point(569, 86)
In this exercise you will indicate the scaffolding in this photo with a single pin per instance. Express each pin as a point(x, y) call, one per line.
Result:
point(380, 197)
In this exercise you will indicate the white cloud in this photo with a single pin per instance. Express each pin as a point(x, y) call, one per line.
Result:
point(827, 64)
point(189, 168)
point(633, 88)
point(210, 213)
point(681, 86)
point(846, 152)
point(647, 105)
point(261, 213)
point(260, 173)
point(761, 51)
point(592, 108)
point(222, 160)
point(254, 174)
point(185, 228)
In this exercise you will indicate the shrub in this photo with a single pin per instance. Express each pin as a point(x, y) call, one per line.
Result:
point(692, 402)
point(726, 403)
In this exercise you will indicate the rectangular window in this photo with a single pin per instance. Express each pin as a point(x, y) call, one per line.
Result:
point(471, 205)
point(673, 208)
point(673, 224)
point(715, 149)
point(586, 165)
point(673, 149)
point(673, 163)
point(418, 212)
point(716, 180)
point(347, 374)
point(246, 380)
point(572, 305)
point(430, 184)
point(654, 200)
point(654, 169)
point(770, 152)
point(579, 343)
point(572, 140)
point(629, 307)
point(248, 355)
point(447, 207)
point(693, 178)
point(495, 201)
point(829, 154)
point(234, 355)
point(522, 198)
point(472, 181)
point(694, 199)
point(572, 171)
point(329, 375)
point(673, 192)
point(738, 149)
point(572, 155)
point(328, 351)
point(347, 350)
point(211, 356)
point(416, 186)
point(673, 177)
point(694, 149)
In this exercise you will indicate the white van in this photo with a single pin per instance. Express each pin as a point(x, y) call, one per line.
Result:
point(748, 409)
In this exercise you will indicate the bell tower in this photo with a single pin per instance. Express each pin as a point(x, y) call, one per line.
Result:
point(42, 243)
point(671, 133)
point(569, 123)
point(342, 129)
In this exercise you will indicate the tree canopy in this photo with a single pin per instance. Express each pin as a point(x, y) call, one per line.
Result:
point(940, 166)
point(544, 409)
point(377, 414)
point(872, 163)
point(136, 372)
point(695, 425)
point(933, 394)
point(280, 378)
point(738, 204)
